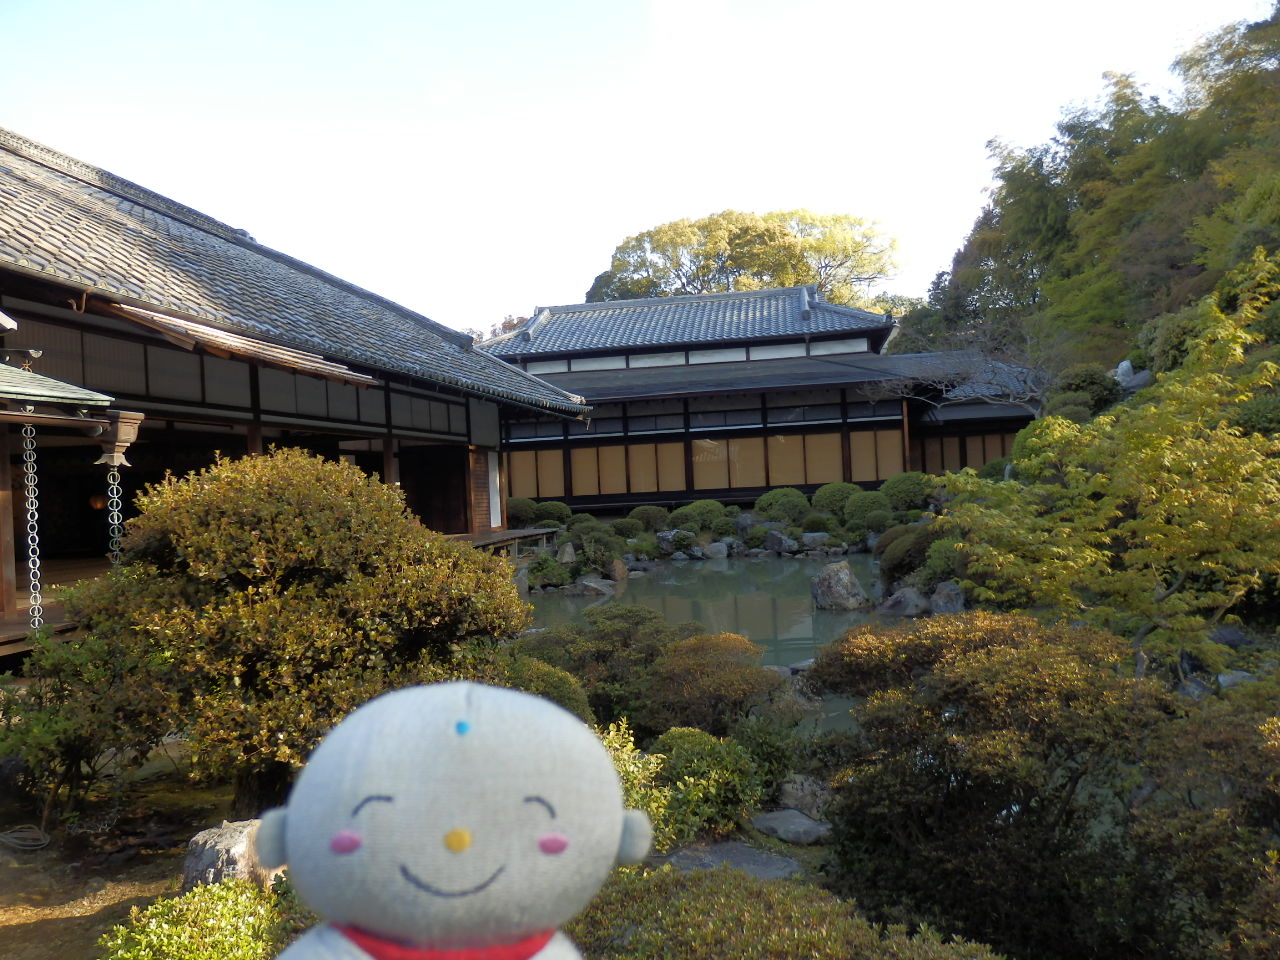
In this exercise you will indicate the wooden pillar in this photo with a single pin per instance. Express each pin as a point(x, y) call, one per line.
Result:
point(253, 442)
point(390, 467)
point(906, 437)
point(8, 562)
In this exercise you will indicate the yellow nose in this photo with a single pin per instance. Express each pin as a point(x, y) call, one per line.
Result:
point(457, 840)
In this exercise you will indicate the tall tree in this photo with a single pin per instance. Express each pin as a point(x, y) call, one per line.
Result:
point(842, 255)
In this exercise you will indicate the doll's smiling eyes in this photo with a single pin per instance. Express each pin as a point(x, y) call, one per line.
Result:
point(550, 809)
point(372, 798)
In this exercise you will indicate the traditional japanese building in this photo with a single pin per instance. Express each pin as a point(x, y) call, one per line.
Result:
point(727, 395)
point(224, 345)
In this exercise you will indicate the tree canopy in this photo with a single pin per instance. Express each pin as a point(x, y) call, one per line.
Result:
point(1135, 210)
point(841, 255)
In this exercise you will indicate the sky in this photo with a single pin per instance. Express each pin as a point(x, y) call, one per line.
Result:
point(480, 158)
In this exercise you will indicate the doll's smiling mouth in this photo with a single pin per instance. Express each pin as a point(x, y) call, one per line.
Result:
point(437, 892)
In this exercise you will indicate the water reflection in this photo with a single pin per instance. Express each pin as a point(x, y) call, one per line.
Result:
point(766, 600)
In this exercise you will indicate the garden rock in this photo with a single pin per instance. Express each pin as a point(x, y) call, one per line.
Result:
point(666, 540)
point(222, 852)
point(1194, 689)
point(715, 551)
point(696, 553)
point(1229, 636)
point(779, 542)
point(906, 602)
point(734, 853)
point(617, 570)
point(589, 587)
point(522, 581)
point(566, 554)
point(801, 666)
point(836, 588)
point(791, 826)
point(947, 598)
point(745, 521)
point(1233, 678)
point(807, 794)
point(735, 547)
point(814, 540)
point(680, 556)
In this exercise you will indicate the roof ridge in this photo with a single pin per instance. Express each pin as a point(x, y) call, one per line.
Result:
point(684, 297)
point(97, 177)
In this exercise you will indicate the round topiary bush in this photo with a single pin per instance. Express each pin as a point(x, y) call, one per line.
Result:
point(554, 510)
point(653, 518)
point(547, 571)
point(521, 512)
point(878, 521)
point(909, 491)
point(830, 497)
point(1101, 389)
point(907, 551)
point(542, 679)
point(786, 504)
point(816, 523)
point(724, 527)
point(699, 515)
point(862, 503)
point(627, 527)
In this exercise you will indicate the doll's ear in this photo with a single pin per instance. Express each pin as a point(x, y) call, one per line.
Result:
point(268, 842)
point(637, 836)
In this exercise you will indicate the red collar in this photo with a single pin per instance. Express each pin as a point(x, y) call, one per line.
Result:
point(381, 949)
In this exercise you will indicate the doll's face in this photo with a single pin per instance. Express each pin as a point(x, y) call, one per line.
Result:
point(453, 815)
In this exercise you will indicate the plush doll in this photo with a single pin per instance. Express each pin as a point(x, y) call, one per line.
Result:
point(451, 822)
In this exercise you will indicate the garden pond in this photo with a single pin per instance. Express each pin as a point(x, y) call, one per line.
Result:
point(764, 599)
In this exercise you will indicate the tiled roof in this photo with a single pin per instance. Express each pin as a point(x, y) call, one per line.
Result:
point(675, 321)
point(28, 387)
point(961, 375)
point(72, 223)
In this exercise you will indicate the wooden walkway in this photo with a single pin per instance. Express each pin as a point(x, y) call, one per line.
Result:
point(14, 627)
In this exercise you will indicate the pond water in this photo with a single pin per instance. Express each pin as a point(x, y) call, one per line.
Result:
point(766, 600)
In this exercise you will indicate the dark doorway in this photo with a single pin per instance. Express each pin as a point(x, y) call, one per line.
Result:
point(434, 481)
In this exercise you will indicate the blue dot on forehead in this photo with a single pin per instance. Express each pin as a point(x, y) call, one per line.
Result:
point(462, 726)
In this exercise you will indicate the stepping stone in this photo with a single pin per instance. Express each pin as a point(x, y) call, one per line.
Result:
point(734, 853)
point(791, 826)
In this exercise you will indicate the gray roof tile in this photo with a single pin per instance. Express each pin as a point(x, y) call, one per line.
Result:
point(685, 321)
point(73, 222)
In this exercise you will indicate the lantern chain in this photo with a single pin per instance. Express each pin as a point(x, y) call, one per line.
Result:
point(33, 523)
point(114, 512)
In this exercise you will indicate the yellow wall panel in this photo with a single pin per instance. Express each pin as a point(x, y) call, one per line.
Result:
point(710, 464)
point(932, 454)
point(786, 461)
point(862, 451)
point(889, 452)
point(994, 447)
point(524, 473)
point(951, 453)
point(642, 459)
point(974, 455)
point(671, 466)
point(551, 473)
point(822, 458)
point(613, 469)
point(746, 462)
point(582, 464)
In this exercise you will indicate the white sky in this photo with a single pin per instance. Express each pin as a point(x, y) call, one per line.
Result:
point(476, 159)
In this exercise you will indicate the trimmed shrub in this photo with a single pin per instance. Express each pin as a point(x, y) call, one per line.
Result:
point(830, 497)
point(547, 525)
point(653, 518)
point(659, 914)
point(862, 503)
point(580, 519)
point(559, 686)
point(713, 781)
point(599, 548)
point(816, 523)
point(554, 510)
point(907, 551)
point(1073, 405)
point(773, 747)
point(645, 546)
point(786, 504)
point(639, 775)
point(994, 469)
point(724, 527)
point(231, 920)
point(521, 512)
point(547, 571)
point(698, 515)
point(1091, 379)
point(706, 681)
point(909, 491)
point(683, 540)
point(627, 527)
point(755, 537)
point(265, 597)
point(879, 521)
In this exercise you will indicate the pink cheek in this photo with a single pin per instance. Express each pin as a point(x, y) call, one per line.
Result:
point(345, 841)
point(553, 843)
